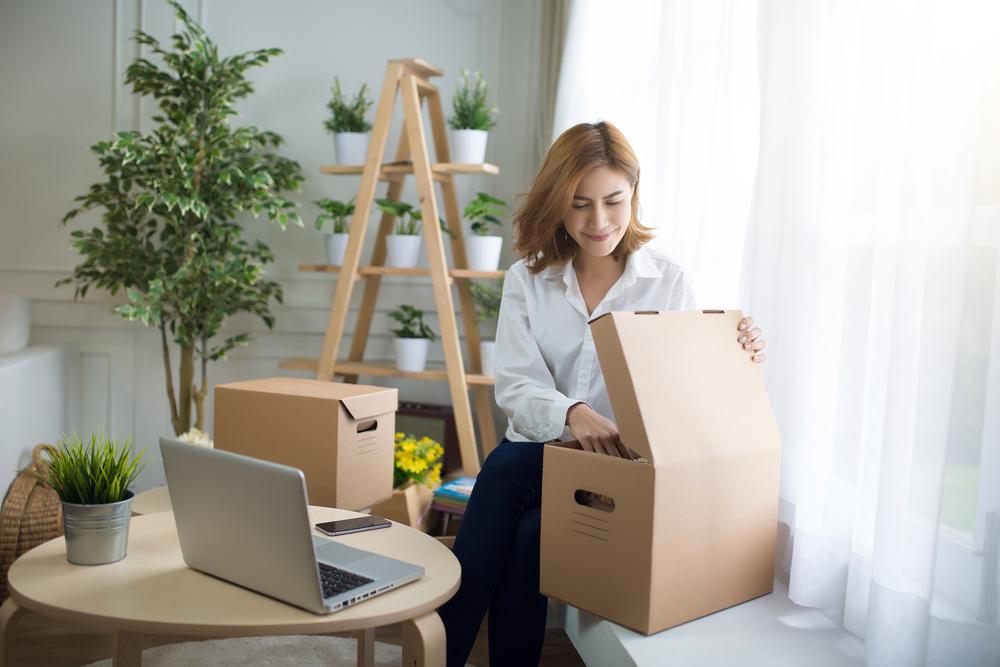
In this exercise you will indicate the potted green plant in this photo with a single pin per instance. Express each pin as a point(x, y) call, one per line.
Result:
point(487, 302)
point(482, 247)
point(403, 244)
point(338, 212)
point(348, 125)
point(172, 235)
point(470, 121)
point(92, 480)
point(413, 338)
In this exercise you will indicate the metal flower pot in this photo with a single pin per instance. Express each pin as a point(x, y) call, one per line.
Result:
point(97, 534)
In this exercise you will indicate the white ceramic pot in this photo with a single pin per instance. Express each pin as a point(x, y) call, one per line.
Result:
point(468, 146)
point(15, 322)
point(483, 252)
point(336, 244)
point(403, 250)
point(411, 353)
point(351, 147)
point(486, 349)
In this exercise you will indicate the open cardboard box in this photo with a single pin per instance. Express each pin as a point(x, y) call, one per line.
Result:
point(689, 528)
point(340, 435)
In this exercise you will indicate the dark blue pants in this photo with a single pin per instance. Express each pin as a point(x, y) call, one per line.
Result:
point(498, 547)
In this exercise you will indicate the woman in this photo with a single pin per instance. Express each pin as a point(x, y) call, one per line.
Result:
point(584, 254)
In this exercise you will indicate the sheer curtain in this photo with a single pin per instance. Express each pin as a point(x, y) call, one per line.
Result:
point(872, 264)
point(847, 153)
point(680, 81)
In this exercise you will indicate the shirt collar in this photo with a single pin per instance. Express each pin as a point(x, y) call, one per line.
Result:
point(638, 264)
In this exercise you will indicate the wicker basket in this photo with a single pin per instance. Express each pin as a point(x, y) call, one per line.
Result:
point(31, 514)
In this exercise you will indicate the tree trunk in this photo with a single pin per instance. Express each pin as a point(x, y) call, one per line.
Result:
point(199, 394)
point(185, 388)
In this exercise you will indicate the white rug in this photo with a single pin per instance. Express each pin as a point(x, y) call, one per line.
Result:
point(291, 650)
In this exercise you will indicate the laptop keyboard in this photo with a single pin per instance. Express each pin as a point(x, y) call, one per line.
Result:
point(336, 581)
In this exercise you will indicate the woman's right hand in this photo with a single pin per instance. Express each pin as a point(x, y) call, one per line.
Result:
point(595, 432)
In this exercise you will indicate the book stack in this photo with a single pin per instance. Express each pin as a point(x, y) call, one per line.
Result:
point(453, 495)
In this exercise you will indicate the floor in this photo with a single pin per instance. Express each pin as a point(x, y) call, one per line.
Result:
point(50, 643)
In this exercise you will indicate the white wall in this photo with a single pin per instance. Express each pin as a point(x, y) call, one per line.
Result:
point(61, 70)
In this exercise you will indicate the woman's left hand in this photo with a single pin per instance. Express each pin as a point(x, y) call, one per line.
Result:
point(749, 338)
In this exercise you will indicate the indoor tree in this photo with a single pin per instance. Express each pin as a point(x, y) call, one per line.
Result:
point(168, 236)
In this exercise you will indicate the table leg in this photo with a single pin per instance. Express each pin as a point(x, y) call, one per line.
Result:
point(126, 649)
point(423, 641)
point(10, 612)
point(366, 647)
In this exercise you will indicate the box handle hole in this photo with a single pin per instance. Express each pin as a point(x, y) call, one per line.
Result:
point(595, 501)
point(370, 425)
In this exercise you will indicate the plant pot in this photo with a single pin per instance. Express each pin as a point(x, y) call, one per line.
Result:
point(403, 250)
point(336, 244)
point(15, 322)
point(351, 147)
point(408, 505)
point(411, 353)
point(486, 349)
point(483, 252)
point(468, 146)
point(97, 534)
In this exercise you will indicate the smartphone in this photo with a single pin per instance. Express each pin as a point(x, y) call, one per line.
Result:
point(344, 526)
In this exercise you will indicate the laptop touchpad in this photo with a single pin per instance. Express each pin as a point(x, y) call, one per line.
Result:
point(340, 554)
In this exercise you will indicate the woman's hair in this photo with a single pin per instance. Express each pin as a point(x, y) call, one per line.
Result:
point(539, 233)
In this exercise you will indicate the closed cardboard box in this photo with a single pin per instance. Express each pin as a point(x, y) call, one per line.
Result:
point(689, 528)
point(340, 435)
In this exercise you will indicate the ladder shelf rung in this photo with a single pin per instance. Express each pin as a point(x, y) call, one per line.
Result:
point(366, 271)
point(439, 169)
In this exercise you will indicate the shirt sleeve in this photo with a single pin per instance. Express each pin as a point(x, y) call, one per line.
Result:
point(525, 389)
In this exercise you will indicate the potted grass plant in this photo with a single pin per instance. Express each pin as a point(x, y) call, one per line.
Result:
point(92, 481)
point(482, 247)
point(348, 124)
point(487, 302)
point(471, 120)
point(338, 213)
point(413, 338)
point(403, 244)
point(416, 473)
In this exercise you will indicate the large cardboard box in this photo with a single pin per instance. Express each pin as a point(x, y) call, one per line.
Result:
point(340, 435)
point(689, 528)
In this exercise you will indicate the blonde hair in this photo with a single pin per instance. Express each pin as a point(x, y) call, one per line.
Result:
point(539, 233)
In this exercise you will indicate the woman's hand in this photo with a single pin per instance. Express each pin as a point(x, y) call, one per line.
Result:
point(749, 338)
point(595, 432)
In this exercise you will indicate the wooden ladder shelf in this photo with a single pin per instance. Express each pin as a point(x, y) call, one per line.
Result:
point(409, 77)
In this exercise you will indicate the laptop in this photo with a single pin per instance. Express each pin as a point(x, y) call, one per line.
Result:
point(246, 521)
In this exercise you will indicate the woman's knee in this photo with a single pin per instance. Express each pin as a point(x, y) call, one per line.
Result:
point(511, 461)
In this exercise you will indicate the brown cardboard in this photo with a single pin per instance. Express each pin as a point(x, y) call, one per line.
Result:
point(689, 528)
point(340, 435)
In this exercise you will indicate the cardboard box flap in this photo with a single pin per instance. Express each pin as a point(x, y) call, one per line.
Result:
point(363, 406)
point(295, 386)
point(692, 397)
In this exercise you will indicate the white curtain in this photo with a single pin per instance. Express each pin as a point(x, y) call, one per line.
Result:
point(862, 195)
point(872, 264)
point(679, 79)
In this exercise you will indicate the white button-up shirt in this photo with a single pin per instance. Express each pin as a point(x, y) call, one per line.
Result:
point(545, 360)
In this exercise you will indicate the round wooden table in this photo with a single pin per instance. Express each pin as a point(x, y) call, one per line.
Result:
point(152, 591)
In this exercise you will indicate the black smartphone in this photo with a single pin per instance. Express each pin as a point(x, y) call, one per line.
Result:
point(344, 526)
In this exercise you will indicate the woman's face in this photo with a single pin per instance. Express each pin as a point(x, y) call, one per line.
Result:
point(600, 211)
